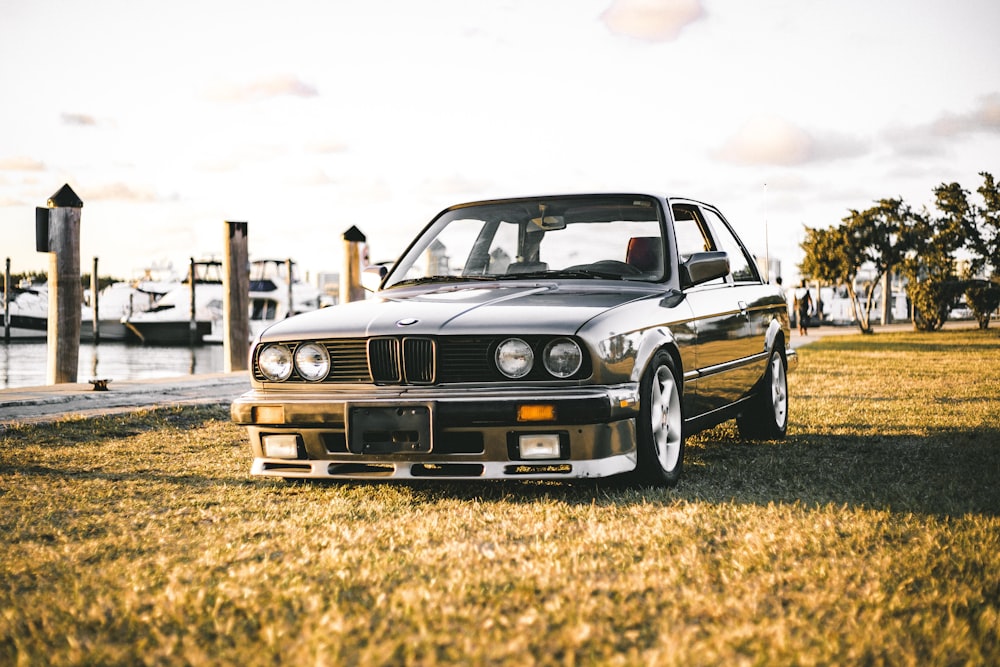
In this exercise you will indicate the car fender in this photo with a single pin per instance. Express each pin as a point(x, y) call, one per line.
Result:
point(771, 337)
point(652, 340)
point(775, 330)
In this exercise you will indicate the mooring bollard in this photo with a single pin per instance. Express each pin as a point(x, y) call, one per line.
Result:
point(6, 302)
point(289, 266)
point(95, 288)
point(350, 278)
point(236, 297)
point(193, 310)
point(57, 232)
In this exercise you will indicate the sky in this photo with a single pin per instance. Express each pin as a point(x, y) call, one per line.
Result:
point(307, 117)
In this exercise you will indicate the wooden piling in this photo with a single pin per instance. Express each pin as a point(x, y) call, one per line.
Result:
point(65, 290)
point(94, 305)
point(6, 302)
point(350, 278)
point(291, 293)
point(193, 311)
point(236, 297)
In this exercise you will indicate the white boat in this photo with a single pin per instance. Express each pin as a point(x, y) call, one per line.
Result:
point(274, 295)
point(169, 321)
point(27, 315)
point(117, 300)
point(29, 308)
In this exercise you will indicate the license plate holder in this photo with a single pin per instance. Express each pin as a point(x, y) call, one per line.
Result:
point(398, 429)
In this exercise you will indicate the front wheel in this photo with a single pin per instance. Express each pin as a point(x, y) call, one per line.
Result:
point(766, 416)
point(660, 428)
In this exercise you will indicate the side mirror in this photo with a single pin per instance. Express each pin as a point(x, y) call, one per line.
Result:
point(702, 267)
point(372, 275)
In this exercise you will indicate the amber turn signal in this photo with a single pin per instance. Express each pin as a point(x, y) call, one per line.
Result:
point(536, 412)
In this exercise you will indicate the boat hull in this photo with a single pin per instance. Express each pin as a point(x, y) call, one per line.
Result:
point(172, 332)
point(34, 327)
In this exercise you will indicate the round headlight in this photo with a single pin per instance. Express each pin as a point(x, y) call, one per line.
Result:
point(312, 361)
point(275, 363)
point(514, 358)
point(562, 357)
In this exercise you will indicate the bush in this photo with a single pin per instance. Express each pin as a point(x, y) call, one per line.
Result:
point(983, 297)
point(933, 299)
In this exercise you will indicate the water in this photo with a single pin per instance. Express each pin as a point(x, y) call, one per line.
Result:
point(24, 364)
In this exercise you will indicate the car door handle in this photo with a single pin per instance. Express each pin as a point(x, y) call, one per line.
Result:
point(744, 311)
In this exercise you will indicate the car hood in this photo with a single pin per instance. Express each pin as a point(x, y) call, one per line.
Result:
point(540, 307)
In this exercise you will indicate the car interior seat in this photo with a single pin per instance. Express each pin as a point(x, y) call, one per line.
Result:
point(645, 253)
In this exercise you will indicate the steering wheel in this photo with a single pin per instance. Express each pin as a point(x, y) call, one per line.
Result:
point(613, 266)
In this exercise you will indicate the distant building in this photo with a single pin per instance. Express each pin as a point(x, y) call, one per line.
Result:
point(329, 287)
point(770, 269)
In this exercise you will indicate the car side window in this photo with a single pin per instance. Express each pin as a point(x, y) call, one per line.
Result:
point(691, 237)
point(740, 263)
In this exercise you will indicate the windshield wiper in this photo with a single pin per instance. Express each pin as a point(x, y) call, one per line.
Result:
point(551, 273)
point(423, 280)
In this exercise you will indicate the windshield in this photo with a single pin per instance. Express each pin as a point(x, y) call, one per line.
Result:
point(615, 237)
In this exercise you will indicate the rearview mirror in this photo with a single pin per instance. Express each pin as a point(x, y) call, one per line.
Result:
point(372, 275)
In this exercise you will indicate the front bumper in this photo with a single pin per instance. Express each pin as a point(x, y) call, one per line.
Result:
point(396, 433)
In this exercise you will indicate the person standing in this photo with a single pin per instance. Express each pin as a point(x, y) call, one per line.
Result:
point(803, 306)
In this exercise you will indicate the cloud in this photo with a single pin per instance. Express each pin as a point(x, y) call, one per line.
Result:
point(914, 142)
point(242, 156)
point(767, 140)
point(328, 147)
point(308, 177)
point(830, 146)
point(931, 139)
point(651, 20)
point(455, 184)
point(119, 192)
point(78, 119)
point(21, 163)
point(772, 140)
point(984, 117)
point(281, 85)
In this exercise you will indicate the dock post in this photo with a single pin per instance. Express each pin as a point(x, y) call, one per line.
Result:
point(236, 298)
point(291, 292)
point(193, 324)
point(6, 302)
point(95, 307)
point(61, 224)
point(350, 278)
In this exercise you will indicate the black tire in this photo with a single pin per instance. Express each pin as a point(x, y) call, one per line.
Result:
point(766, 415)
point(660, 429)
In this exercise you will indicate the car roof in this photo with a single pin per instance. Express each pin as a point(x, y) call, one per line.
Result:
point(573, 194)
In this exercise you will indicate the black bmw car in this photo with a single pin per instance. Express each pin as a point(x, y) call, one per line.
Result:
point(534, 338)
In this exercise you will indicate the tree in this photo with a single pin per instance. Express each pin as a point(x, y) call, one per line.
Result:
point(882, 235)
point(988, 241)
point(872, 237)
point(983, 296)
point(831, 258)
point(890, 236)
point(932, 242)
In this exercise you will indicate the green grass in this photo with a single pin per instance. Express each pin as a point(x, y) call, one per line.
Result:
point(871, 535)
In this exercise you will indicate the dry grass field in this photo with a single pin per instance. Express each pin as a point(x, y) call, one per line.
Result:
point(871, 535)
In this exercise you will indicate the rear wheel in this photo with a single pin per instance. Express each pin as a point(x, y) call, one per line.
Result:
point(660, 427)
point(766, 416)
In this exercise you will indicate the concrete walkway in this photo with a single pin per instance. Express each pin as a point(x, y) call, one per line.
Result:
point(61, 401)
point(816, 333)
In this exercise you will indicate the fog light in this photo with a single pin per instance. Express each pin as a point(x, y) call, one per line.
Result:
point(539, 446)
point(280, 446)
